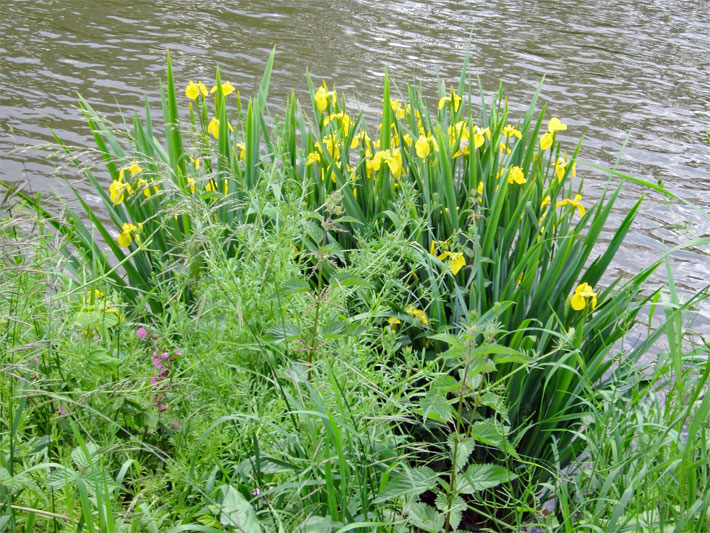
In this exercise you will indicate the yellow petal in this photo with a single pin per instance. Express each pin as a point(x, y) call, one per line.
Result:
point(546, 141)
point(556, 125)
point(422, 147)
point(577, 302)
point(124, 239)
point(457, 263)
point(192, 90)
point(213, 127)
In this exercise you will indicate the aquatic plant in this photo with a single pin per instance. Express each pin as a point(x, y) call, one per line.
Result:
point(496, 225)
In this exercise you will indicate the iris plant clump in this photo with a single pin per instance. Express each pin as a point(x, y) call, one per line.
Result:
point(490, 204)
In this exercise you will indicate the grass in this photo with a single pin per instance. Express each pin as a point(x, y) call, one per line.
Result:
point(300, 328)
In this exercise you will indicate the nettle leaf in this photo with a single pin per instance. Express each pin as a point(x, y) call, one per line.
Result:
point(410, 482)
point(284, 332)
point(435, 406)
point(425, 517)
point(81, 460)
point(516, 357)
point(334, 328)
point(293, 286)
point(499, 350)
point(237, 512)
point(495, 402)
point(314, 231)
point(319, 524)
point(445, 384)
point(348, 219)
point(100, 481)
point(453, 341)
point(479, 365)
point(455, 512)
point(463, 450)
point(59, 477)
point(482, 476)
point(493, 434)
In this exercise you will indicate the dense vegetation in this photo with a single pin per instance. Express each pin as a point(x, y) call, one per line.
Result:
point(309, 323)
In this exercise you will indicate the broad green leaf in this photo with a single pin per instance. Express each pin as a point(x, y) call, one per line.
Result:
point(493, 434)
point(479, 477)
point(319, 524)
point(334, 328)
point(236, 512)
point(454, 510)
point(435, 406)
point(463, 449)
point(445, 383)
point(410, 482)
point(81, 460)
point(425, 517)
point(284, 331)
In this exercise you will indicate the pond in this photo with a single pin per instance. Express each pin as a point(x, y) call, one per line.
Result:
point(613, 68)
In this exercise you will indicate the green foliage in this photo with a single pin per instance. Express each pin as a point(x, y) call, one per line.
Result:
point(305, 327)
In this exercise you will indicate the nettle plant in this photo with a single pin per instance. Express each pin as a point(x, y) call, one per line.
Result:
point(462, 410)
point(505, 222)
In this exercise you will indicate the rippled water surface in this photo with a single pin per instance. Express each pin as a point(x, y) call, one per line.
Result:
point(612, 69)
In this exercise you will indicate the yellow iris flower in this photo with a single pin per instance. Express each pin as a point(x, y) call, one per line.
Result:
point(574, 203)
point(213, 127)
point(323, 95)
point(193, 90)
point(516, 175)
point(227, 89)
point(118, 190)
point(397, 109)
point(128, 232)
point(393, 322)
point(456, 261)
point(561, 166)
point(133, 168)
point(453, 98)
point(424, 145)
point(578, 300)
point(553, 126)
point(242, 151)
point(313, 157)
point(511, 130)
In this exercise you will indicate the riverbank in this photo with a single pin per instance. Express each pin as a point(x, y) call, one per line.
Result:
point(301, 324)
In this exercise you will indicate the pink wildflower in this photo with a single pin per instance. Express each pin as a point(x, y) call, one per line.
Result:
point(141, 333)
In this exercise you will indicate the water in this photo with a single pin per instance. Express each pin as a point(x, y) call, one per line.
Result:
point(612, 69)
